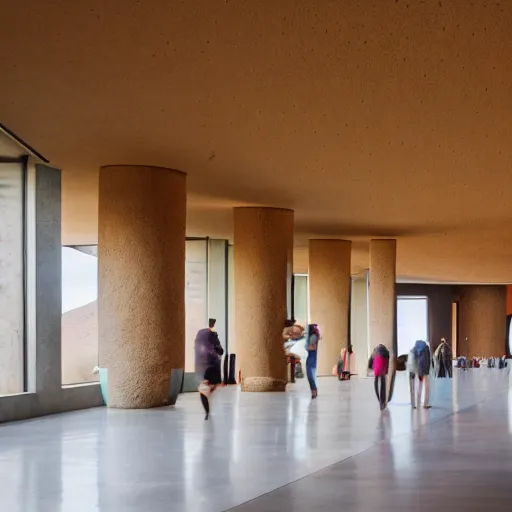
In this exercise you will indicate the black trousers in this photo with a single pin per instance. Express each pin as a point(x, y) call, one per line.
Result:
point(381, 393)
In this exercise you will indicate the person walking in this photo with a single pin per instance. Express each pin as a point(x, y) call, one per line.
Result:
point(312, 339)
point(419, 363)
point(379, 363)
point(443, 360)
point(208, 352)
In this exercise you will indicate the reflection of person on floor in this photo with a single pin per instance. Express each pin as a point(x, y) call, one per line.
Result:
point(379, 363)
point(419, 365)
point(443, 360)
point(312, 339)
point(208, 352)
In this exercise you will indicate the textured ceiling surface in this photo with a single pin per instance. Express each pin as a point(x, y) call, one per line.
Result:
point(383, 118)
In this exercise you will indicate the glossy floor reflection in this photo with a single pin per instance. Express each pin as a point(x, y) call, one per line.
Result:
point(347, 454)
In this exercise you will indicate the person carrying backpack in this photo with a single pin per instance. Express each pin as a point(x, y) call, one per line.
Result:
point(379, 363)
point(418, 364)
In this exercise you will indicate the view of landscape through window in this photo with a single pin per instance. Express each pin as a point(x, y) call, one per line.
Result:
point(79, 314)
point(80, 308)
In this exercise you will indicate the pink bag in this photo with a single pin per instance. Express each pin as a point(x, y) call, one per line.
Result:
point(380, 366)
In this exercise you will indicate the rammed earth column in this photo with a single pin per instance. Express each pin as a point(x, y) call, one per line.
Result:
point(141, 305)
point(263, 252)
point(329, 298)
point(382, 293)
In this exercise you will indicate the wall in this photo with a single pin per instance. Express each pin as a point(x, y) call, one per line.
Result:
point(440, 298)
point(509, 299)
point(482, 320)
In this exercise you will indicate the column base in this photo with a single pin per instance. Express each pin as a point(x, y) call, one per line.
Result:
point(263, 384)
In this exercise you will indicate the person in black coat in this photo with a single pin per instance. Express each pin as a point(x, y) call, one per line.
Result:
point(208, 352)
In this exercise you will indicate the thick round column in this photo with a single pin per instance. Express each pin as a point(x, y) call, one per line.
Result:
point(382, 293)
point(141, 296)
point(263, 248)
point(329, 298)
point(482, 321)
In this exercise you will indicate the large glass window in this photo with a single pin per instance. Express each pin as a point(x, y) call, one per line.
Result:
point(300, 299)
point(196, 295)
point(12, 279)
point(79, 314)
point(412, 322)
point(80, 308)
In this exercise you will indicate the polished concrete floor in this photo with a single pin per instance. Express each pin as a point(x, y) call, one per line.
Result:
point(272, 452)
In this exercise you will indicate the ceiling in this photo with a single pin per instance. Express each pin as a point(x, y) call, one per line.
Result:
point(383, 118)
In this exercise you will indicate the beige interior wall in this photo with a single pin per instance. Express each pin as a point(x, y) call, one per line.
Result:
point(80, 206)
point(482, 321)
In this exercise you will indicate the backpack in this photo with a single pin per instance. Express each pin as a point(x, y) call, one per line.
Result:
point(420, 358)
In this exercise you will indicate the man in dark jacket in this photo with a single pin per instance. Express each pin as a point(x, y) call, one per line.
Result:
point(208, 352)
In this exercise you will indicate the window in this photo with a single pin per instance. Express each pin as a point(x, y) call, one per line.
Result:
point(80, 308)
point(79, 314)
point(196, 295)
point(300, 299)
point(412, 322)
point(12, 278)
